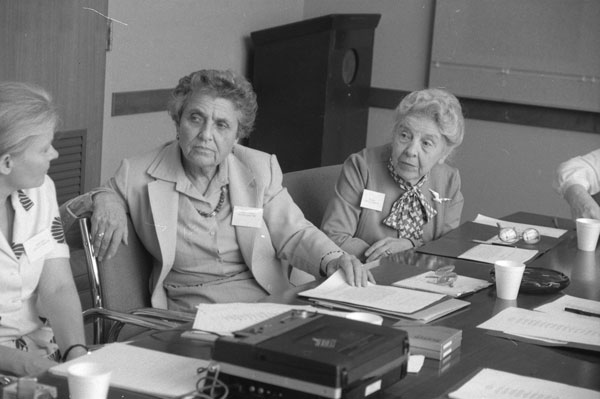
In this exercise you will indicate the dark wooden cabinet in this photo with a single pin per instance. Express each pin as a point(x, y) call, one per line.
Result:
point(312, 79)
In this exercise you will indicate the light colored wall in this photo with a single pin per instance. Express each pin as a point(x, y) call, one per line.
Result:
point(165, 40)
point(504, 167)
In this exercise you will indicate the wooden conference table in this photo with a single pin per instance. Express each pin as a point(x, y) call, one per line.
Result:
point(478, 349)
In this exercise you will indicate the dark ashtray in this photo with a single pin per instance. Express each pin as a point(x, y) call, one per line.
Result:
point(537, 280)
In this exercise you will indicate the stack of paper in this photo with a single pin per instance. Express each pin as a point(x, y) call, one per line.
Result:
point(387, 300)
point(554, 329)
point(434, 342)
point(144, 370)
point(222, 319)
point(461, 287)
point(494, 384)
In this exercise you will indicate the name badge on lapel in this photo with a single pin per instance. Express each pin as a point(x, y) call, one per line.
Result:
point(39, 245)
point(372, 200)
point(247, 217)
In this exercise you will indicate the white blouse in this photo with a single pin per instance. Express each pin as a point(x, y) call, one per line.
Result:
point(37, 236)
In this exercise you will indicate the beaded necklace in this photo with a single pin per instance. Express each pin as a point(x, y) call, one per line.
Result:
point(217, 208)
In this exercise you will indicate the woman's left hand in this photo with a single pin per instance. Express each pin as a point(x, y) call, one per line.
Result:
point(356, 274)
point(386, 247)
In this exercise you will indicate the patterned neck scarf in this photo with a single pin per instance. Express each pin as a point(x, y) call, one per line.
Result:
point(411, 211)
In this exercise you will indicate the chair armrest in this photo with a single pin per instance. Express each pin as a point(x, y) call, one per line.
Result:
point(164, 314)
point(120, 319)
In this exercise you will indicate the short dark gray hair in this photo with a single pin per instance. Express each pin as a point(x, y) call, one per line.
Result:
point(223, 84)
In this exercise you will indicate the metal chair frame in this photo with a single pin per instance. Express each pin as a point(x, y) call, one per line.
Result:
point(103, 332)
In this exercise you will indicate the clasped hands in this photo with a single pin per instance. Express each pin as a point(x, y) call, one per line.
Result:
point(386, 247)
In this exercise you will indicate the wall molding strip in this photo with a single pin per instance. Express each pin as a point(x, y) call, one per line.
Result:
point(136, 102)
point(495, 111)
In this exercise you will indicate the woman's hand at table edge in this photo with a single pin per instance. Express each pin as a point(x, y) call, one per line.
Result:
point(386, 247)
point(356, 273)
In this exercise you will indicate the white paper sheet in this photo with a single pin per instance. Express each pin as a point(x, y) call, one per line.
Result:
point(545, 231)
point(225, 318)
point(492, 253)
point(494, 384)
point(561, 327)
point(568, 301)
point(462, 286)
point(387, 298)
point(415, 363)
point(143, 370)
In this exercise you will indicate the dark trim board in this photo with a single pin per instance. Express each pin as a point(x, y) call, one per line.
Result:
point(139, 102)
point(136, 102)
point(495, 111)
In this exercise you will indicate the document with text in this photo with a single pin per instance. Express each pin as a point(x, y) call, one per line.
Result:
point(143, 370)
point(550, 328)
point(463, 285)
point(494, 384)
point(491, 253)
point(572, 304)
point(374, 297)
point(225, 318)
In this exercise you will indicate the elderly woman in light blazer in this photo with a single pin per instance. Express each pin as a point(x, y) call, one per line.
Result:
point(402, 194)
point(212, 213)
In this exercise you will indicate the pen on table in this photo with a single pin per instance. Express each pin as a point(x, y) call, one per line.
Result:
point(494, 243)
point(582, 312)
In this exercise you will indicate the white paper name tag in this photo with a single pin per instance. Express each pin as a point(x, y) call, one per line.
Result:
point(372, 200)
point(246, 216)
point(39, 245)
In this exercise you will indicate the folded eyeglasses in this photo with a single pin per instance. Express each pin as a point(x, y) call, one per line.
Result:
point(511, 235)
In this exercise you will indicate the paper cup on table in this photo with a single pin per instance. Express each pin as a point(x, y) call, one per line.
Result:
point(365, 317)
point(508, 278)
point(588, 231)
point(88, 380)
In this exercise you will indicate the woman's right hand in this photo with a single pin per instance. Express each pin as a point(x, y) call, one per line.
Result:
point(109, 225)
point(21, 363)
point(386, 247)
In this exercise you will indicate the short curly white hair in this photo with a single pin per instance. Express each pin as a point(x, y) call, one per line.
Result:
point(442, 107)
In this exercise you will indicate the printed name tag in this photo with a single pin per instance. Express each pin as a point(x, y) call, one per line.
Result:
point(246, 216)
point(39, 245)
point(372, 200)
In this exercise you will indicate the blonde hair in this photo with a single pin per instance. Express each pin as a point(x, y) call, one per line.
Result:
point(23, 106)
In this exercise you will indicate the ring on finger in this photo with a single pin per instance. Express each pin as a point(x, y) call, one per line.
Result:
point(100, 235)
point(387, 252)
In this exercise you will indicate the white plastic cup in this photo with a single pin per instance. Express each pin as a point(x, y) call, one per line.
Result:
point(588, 231)
point(88, 380)
point(365, 317)
point(508, 278)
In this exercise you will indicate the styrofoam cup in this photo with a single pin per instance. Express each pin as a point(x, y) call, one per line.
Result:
point(88, 380)
point(508, 278)
point(365, 317)
point(588, 231)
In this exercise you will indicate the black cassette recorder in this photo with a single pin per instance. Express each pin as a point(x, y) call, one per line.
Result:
point(302, 354)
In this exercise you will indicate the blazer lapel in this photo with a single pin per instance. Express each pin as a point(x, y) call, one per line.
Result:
point(164, 205)
point(243, 192)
